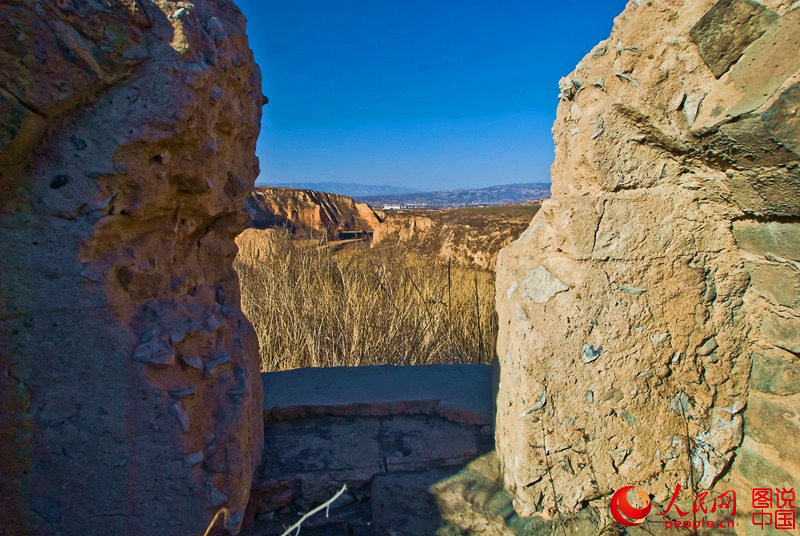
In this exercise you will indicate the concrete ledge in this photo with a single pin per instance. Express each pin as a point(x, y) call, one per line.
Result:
point(458, 393)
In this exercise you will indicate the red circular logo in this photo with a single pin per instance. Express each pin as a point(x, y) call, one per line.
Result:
point(624, 512)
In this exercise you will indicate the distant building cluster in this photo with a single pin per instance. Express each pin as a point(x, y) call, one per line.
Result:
point(409, 206)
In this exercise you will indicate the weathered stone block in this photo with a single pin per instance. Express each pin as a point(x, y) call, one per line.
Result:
point(781, 331)
point(748, 145)
point(414, 443)
point(764, 68)
point(646, 228)
point(776, 423)
point(767, 191)
point(727, 29)
point(323, 444)
point(768, 238)
point(760, 469)
point(776, 282)
point(782, 119)
point(458, 393)
point(775, 373)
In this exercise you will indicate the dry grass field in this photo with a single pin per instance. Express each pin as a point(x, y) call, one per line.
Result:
point(315, 306)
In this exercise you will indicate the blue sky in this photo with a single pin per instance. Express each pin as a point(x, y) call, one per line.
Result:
point(427, 95)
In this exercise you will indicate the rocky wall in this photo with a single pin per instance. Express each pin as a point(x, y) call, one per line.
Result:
point(649, 316)
point(131, 399)
point(391, 434)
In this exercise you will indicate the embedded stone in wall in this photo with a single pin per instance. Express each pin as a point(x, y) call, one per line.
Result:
point(726, 29)
point(540, 285)
point(775, 371)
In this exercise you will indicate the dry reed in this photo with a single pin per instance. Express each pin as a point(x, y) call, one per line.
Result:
point(314, 307)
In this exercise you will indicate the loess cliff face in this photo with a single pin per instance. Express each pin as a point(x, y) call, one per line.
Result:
point(129, 378)
point(651, 308)
point(470, 236)
point(308, 212)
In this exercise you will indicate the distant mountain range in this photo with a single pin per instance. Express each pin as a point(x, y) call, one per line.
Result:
point(377, 195)
point(492, 195)
point(350, 189)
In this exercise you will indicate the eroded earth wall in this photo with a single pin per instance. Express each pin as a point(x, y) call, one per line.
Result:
point(309, 213)
point(650, 315)
point(131, 399)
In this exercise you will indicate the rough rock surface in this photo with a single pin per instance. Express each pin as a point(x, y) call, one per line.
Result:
point(128, 375)
point(649, 322)
point(310, 212)
point(469, 236)
point(256, 246)
point(473, 501)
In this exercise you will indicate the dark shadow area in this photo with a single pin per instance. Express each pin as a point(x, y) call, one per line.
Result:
point(389, 433)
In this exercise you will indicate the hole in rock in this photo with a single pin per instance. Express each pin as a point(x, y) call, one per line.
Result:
point(375, 312)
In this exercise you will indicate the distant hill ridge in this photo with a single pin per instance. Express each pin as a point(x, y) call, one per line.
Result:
point(491, 195)
point(377, 195)
point(350, 189)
